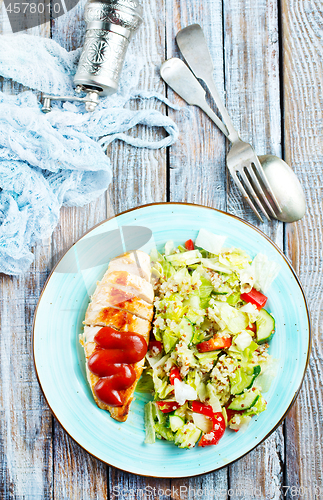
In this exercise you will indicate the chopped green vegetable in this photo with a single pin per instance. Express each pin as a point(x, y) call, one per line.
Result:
point(213, 340)
point(149, 423)
point(145, 383)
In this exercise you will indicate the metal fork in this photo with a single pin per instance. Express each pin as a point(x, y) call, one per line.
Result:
point(242, 161)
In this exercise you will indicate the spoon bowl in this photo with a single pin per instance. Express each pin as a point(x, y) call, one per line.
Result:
point(286, 186)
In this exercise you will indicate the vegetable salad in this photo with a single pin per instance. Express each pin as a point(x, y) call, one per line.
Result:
point(208, 363)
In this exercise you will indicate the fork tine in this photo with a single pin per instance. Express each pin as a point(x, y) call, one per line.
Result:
point(263, 177)
point(245, 195)
point(252, 191)
point(259, 188)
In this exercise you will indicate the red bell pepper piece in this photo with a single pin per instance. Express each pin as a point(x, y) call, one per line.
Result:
point(189, 245)
point(174, 374)
point(155, 346)
point(214, 436)
point(214, 343)
point(255, 297)
point(206, 410)
point(168, 406)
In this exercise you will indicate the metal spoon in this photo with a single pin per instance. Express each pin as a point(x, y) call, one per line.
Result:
point(278, 173)
point(286, 186)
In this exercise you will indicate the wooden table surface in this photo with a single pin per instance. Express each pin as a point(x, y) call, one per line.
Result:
point(268, 59)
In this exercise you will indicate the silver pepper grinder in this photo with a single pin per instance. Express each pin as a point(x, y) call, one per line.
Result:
point(110, 25)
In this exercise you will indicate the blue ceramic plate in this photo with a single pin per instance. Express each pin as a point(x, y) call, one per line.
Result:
point(59, 358)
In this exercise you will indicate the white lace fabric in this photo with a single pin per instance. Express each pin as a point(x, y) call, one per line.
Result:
point(54, 159)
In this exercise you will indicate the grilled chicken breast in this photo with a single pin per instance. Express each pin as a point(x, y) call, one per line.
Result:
point(137, 263)
point(116, 318)
point(129, 283)
point(122, 300)
point(119, 413)
point(112, 297)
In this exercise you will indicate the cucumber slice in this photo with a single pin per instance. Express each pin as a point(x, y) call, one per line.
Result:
point(241, 381)
point(258, 407)
point(176, 422)
point(187, 436)
point(256, 372)
point(245, 401)
point(265, 326)
point(187, 331)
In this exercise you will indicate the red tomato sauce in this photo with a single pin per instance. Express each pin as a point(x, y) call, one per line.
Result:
point(113, 362)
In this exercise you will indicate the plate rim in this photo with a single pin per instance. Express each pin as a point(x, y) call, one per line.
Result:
point(226, 214)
